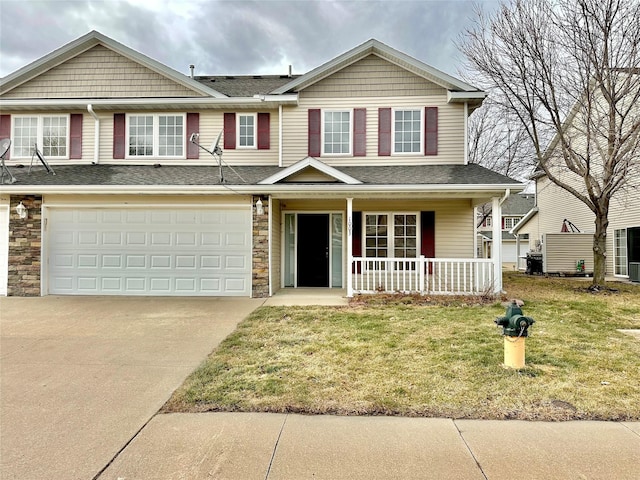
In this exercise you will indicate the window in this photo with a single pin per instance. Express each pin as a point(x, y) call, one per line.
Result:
point(620, 245)
point(510, 222)
point(407, 131)
point(399, 240)
point(156, 136)
point(336, 133)
point(247, 131)
point(49, 132)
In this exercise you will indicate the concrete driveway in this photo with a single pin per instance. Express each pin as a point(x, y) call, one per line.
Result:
point(80, 376)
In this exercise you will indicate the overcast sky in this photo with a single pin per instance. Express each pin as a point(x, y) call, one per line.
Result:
point(238, 37)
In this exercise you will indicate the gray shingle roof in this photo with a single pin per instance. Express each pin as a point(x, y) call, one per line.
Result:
point(245, 85)
point(250, 175)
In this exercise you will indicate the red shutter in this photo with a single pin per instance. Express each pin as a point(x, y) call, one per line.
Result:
point(5, 130)
point(428, 235)
point(356, 237)
point(315, 120)
point(119, 135)
point(75, 136)
point(229, 131)
point(193, 126)
point(359, 132)
point(384, 132)
point(431, 131)
point(264, 133)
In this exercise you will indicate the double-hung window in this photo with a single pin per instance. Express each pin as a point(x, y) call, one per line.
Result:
point(156, 135)
point(49, 132)
point(391, 235)
point(336, 132)
point(407, 130)
point(246, 128)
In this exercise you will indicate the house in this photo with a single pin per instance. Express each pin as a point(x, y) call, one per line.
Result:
point(352, 176)
point(513, 210)
point(561, 227)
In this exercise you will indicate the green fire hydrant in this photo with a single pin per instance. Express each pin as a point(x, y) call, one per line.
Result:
point(515, 328)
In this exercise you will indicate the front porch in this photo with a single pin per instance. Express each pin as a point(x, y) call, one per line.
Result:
point(348, 245)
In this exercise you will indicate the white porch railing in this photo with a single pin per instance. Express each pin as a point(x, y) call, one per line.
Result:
point(444, 276)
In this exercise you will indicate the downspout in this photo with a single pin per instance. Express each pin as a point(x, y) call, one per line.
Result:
point(96, 135)
point(466, 133)
point(280, 135)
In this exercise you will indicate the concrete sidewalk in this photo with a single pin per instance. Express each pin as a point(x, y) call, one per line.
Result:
point(281, 446)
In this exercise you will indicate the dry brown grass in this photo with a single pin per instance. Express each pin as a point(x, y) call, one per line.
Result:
point(390, 356)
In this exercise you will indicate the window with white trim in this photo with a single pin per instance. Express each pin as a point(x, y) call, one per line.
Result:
point(246, 128)
point(510, 222)
point(391, 235)
point(407, 130)
point(49, 132)
point(156, 135)
point(336, 132)
point(620, 247)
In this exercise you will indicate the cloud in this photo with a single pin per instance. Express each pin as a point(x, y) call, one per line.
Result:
point(236, 37)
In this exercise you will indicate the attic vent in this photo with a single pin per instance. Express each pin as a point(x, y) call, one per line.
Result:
point(212, 80)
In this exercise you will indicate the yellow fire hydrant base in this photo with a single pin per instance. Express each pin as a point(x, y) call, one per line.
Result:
point(514, 352)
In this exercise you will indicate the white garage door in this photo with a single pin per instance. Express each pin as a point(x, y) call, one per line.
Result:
point(150, 251)
point(4, 246)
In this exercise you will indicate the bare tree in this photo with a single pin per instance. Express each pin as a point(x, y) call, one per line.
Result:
point(568, 70)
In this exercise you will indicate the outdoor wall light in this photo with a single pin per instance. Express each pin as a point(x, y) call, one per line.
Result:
point(21, 210)
point(259, 207)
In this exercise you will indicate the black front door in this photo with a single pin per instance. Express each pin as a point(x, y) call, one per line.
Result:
point(313, 250)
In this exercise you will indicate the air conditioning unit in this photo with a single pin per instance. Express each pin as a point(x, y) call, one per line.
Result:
point(634, 271)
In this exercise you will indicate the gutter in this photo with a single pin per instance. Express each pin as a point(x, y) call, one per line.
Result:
point(96, 135)
point(201, 102)
point(278, 191)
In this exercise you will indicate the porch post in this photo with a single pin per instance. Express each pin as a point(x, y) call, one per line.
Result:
point(517, 252)
point(349, 247)
point(496, 247)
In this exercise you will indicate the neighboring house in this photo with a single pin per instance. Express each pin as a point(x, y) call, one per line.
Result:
point(562, 227)
point(513, 210)
point(352, 176)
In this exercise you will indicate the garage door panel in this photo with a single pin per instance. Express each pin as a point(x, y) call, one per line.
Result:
point(136, 252)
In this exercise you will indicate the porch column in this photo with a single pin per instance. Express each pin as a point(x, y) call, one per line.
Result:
point(496, 247)
point(517, 252)
point(349, 247)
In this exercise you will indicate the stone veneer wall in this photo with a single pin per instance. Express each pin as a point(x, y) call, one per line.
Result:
point(260, 251)
point(25, 240)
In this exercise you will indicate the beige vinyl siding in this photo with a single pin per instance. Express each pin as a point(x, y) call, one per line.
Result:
point(454, 218)
point(555, 204)
point(276, 246)
point(451, 133)
point(372, 77)
point(561, 252)
point(211, 124)
point(100, 72)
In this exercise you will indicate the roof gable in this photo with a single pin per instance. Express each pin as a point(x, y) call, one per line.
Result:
point(88, 42)
point(384, 51)
point(310, 170)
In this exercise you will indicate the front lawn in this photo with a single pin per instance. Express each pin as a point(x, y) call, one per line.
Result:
point(408, 356)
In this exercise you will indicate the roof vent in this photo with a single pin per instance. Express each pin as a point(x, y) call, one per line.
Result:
point(290, 71)
point(192, 68)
